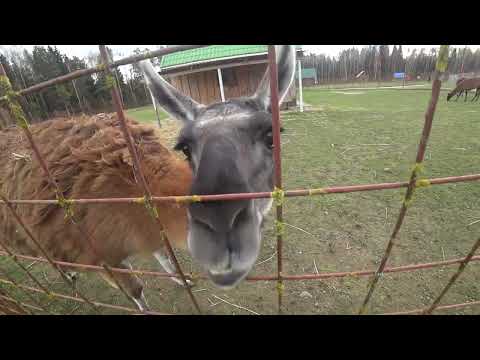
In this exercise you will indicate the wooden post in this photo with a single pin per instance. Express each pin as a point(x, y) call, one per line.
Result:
point(220, 82)
point(300, 84)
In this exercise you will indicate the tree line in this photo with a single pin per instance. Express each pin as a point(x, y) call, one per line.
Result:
point(379, 63)
point(88, 94)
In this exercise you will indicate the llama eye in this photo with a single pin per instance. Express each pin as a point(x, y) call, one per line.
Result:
point(186, 150)
point(269, 140)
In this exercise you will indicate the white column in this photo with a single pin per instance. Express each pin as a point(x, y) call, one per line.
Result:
point(300, 84)
point(220, 82)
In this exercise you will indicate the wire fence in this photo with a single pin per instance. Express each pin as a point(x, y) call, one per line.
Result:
point(10, 305)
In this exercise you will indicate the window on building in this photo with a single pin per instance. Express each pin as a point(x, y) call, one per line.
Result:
point(229, 77)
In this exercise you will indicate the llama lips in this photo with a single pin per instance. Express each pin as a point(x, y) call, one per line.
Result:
point(227, 279)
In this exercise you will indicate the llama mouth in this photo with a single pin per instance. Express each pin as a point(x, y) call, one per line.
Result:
point(227, 279)
point(220, 272)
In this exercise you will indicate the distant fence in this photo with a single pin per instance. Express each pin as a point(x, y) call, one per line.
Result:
point(10, 305)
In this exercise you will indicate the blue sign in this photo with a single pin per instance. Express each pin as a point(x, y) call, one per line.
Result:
point(399, 75)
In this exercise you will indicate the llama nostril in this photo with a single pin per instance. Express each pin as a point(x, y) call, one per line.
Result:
point(241, 215)
point(217, 217)
point(204, 225)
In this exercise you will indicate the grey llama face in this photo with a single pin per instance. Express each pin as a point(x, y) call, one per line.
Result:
point(229, 147)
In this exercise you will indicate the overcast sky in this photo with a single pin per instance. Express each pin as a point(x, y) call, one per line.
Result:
point(125, 50)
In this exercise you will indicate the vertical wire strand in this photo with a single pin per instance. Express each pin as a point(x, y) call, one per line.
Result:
point(139, 173)
point(273, 73)
point(441, 66)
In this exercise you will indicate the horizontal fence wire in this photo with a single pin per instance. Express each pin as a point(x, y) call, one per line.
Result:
point(11, 306)
point(137, 169)
point(77, 299)
point(14, 282)
point(85, 72)
point(25, 305)
point(319, 276)
point(422, 183)
point(414, 183)
point(454, 277)
point(331, 275)
point(19, 116)
point(441, 66)
point(438, 308)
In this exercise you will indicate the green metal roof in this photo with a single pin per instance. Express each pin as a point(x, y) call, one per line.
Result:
point(211, 53)
point(308, 73)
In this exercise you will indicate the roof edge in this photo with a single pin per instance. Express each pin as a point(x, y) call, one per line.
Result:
point(193, 63)
point(211, 60)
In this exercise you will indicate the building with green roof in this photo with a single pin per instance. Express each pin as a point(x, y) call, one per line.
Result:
point(309, 76)
point(219, 72)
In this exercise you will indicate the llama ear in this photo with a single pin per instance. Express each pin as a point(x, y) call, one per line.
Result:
point(285, 57)
point(179, 106)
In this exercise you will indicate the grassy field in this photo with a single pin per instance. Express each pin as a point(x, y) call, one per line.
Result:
point(373, 84)
point(346, 138)
point(146, 114)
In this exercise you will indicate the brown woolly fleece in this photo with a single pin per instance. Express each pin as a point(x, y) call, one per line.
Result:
point(89, 158)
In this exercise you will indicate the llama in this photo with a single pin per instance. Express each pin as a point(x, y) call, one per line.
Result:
point(461, 92)
point(477, 94)
point(227, 148)
point(465, 85)
point(89, 158)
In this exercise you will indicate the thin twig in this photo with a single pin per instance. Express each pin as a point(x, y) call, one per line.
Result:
point(305, 231)
point(74, 309)
point(29, 266)
point(237, 306)
point(348, 149)
point(374, 145)
point(212, 304)
point(199, 290)
point(21, 157)
point(474, 222)
point(264, 261)
point(315, 265)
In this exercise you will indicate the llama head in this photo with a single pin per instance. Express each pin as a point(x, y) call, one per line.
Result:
point(229, 148)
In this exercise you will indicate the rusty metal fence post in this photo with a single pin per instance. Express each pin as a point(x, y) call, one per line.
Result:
point(10, 305)
point(19, 116)
point(436, 85)
point(278, 192)
point(137, 168)
point(454, 277)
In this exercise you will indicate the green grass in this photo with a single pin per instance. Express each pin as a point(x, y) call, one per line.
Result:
point(146, 114)
point(368, 136)
point(372, 84)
